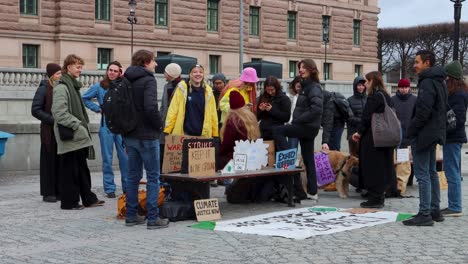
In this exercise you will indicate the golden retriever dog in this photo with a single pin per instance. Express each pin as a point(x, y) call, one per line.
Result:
point(341, 164)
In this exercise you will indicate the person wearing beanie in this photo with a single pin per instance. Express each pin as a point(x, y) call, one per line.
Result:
point(41, 109)
point(108, 139)
point(246, 85)
point(240, 124)
point(192, 110)
point(403, 102)
point(458, 102)
point(172, 73)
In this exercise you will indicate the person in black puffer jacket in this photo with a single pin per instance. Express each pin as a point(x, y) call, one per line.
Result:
point(357, 102)
point(274, 108)
point(305, 125)
point(333, 120)
point(458, 101)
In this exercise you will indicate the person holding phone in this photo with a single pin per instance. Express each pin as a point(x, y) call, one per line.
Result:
point(106, 137)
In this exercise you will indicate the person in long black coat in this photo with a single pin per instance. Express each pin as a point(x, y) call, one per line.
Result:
point(41, 109)
point(376, 164)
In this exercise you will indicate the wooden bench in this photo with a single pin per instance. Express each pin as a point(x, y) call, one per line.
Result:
point(203, 182)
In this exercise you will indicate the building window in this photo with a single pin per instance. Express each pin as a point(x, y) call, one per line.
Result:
point(254, 21)
point(104, 58)
point(28, 7)
point(256, 59)
point(292, 16)
point(212, 15)
point(326, 29)
point(214, 64)
point(30, 56)
point(160, 11)
point(327, 71)
point(162, 53)
point(292, 69)
point(357, 70)
point(357, 32)
point(102, 9)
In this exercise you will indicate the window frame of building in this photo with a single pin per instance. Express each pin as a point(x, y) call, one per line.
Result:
point(256, 60)
point(27, 49)
point(161, 14)
point(212, 15)
point(326, 28)
point(327, 70)
point(357, 32)
point(102, 10)
point(102, 65)
point(357, 70)
point(292, 68)
point(29, 7)
point(254, 21)
point(214, 62)
point(292, 25)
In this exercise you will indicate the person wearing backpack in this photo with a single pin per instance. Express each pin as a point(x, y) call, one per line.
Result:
point(458, 101)
point(426, 130)
point(142, 141)
point(106, 137)
point(375, 163)
point(336, 112)
point(74, 143)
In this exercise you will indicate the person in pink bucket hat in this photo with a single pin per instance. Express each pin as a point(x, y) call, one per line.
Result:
point(246, 85)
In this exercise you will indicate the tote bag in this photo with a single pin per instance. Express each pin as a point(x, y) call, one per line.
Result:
point(386, 128)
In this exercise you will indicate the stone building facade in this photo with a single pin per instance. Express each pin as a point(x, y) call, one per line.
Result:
point(50, 29)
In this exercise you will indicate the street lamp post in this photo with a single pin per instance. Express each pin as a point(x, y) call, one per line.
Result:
point(457, 6)
point(132, 20)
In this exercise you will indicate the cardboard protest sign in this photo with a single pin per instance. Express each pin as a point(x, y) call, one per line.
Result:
point(240, 162)
point(172, 160)
point(323, 169)
point(286, 158)
point(271, 152)
point(256, 152)
point(199, 156)
point(207, 209)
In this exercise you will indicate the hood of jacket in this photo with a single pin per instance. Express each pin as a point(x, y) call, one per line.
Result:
point(356, 81)
point(136, 72)
point(436, 73)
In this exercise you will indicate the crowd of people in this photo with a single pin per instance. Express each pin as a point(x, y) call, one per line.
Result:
point(231, 111)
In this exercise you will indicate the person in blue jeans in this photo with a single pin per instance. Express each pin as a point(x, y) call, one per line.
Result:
point(106, 137)
point(143, 142)
point(458, 101)
point(427, 129)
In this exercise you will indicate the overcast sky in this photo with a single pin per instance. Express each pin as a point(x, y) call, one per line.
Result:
point(406, 13)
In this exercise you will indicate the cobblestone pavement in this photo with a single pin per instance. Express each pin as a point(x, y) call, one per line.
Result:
point(32, 231)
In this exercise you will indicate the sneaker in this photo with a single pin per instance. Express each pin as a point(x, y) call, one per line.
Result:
point(213, 183)
point(137, 220)
point(437, 216)
point(372, 204)
point(419, 220)
point(313, 197)
point(110, 195)
point(49, 199)
point(448, 212)
point(158, 223)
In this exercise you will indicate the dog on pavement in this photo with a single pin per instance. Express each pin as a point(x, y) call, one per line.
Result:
point(341, 164)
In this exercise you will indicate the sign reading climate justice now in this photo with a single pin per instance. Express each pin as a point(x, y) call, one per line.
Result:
point(207, 209)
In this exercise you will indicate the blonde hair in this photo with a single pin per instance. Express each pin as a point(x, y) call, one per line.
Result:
point(243, 116)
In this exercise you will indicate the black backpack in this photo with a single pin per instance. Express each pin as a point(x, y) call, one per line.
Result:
point(342, 105)
point(118, 107)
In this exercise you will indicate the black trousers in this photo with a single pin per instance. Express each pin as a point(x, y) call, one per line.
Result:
point(49, 168)
point(75, 179)
point(306, 138)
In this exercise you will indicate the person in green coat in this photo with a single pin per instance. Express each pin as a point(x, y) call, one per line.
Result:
point(71, 119)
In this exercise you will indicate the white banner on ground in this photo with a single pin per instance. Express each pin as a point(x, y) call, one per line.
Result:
point(305, 222)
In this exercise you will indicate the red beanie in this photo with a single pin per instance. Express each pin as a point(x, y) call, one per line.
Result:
point(236, 100)
point(404, 83)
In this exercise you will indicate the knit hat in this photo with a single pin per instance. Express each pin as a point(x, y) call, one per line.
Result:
point(404, 83)
point(454, 70)
point(218, 77)
point(52, 68)
point(173, 70)
point(236, 100)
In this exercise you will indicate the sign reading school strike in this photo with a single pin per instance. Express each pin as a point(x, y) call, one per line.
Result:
point(172, 160)
point(201, 158)
point(207, 209)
